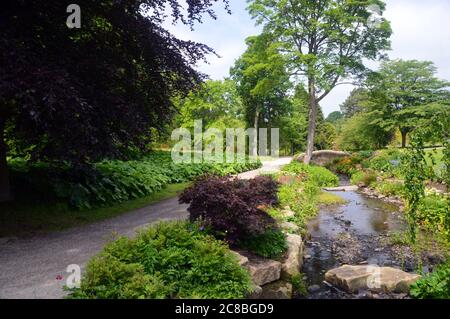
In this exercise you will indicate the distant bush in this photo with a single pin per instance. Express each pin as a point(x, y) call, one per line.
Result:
point(390, 188)
point(433, 286)
point(110, 182)
point(358, 133)
point(321, 176)
point(231, 208)
point(365, 178)
point(169, 260)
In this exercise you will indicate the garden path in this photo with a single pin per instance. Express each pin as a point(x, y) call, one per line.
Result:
point(36, 267)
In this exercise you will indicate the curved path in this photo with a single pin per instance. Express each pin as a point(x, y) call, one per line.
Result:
point(36, 267)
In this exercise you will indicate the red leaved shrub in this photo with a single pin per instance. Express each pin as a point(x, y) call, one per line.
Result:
point(229, 207)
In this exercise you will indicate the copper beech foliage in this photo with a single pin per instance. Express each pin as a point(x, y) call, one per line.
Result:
point(79, 95)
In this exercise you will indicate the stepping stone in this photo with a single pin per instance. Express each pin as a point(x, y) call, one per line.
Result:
point(341, 189)
point(375, 278)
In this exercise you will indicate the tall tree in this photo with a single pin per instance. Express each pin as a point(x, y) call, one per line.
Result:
point(263, 81)
point(356, 102)
point(401, 92)
point(78, 95)
point(212, 102)
point(326, 41)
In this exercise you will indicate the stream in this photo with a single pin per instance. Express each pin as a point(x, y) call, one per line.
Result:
point(356, 233)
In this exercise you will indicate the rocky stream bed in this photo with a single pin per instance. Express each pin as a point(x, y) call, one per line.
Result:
point(359, 234)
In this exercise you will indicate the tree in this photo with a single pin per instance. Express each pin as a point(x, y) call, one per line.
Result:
point(263, 81)
point(355, 103)
point(326, 42)
point(78, 95)
point(294, 124)
point(358, 133)
point(400, 92)
point(335, 116)
point(212, 102)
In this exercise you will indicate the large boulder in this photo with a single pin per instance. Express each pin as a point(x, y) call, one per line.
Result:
point(323, 157)
point(264, 271)
point(294, 256)
point(242, 260)
point(375, 278)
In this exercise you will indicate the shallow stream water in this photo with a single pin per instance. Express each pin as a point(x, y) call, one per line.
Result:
point(354, 233)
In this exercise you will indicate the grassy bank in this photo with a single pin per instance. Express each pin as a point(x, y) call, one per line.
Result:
point(301, 192)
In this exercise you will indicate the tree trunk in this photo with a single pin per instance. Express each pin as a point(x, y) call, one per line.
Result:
point(404, 134)
point(5, 189)
point(255, 137)
point(312, 119)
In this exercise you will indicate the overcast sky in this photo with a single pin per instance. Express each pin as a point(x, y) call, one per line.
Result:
point(421, 31)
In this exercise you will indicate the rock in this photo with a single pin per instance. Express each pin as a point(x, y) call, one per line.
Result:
point(294, 256)
point(385, 279)
point(341, 189)
point(314, 288)
point(242, 260)
point(288, 226)
point(264, 271)
point(287, 213)
point(256, 293)
point(277, 290)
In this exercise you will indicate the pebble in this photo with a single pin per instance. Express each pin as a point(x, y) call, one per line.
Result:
point(313, 288)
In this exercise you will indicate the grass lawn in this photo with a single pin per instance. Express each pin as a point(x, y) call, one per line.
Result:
point(19, 219)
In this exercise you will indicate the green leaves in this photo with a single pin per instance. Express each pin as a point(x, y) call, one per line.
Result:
point(433, 286)
point(112, 182)
point(325, 39)
point(169, 260)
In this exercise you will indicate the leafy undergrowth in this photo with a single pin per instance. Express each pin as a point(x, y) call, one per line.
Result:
point(169, 260)
point(271, 244)
point(435, 285)
point(301, 192)
point(317, 175)
point(109, 182)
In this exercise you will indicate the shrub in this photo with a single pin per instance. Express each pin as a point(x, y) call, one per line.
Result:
point(301, 198)
point(321, 176)
point(169, 260)
point(390, 188)
point(433, 213)
point(433, 286)
point(271, 244)
point(230, 208)
point(365, 178)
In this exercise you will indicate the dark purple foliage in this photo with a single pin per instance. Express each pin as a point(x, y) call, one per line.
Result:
point(230, 206)
point(79, 95)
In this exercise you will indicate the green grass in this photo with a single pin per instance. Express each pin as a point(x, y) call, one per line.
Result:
point(325, 198)
point(18, 219)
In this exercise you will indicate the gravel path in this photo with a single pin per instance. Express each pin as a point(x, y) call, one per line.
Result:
point(36, 267)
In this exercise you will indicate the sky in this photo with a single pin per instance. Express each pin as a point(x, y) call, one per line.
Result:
point(421, 31)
